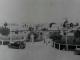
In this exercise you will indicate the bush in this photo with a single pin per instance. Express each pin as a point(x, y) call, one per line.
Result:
point(56, 37)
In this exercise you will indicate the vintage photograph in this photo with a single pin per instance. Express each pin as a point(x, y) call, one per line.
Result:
point(39, 29)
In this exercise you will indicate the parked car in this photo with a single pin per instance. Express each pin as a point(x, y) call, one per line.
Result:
point(17, 45)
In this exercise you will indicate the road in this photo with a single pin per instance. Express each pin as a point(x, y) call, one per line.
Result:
point(36, 51)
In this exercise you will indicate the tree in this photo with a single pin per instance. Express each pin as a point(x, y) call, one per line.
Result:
point(55, 36)
point(5, 24)
point(65, 22)
point(77, 37)
point(77, 34)
point(64, 25)
point(50, 25)
point(71, 25)
point(44, 29)
point(4, 31)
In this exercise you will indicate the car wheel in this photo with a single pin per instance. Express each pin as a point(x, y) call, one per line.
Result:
point(22, 47)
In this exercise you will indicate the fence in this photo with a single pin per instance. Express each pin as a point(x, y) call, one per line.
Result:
point(66, 47)
point(3, 42)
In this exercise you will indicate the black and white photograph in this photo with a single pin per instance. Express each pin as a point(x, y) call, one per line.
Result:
point(39, 29)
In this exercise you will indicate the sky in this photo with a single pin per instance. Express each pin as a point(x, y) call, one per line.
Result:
point(38, 11)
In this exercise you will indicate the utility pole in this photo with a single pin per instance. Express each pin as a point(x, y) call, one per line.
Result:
point(66, 32)
point(66, 40)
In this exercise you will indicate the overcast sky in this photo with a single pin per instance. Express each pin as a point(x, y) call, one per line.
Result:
point(38, 11)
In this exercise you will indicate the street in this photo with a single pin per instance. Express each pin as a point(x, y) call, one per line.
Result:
point(36, 52)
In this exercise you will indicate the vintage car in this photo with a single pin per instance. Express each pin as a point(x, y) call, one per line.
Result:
point(17, 45)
